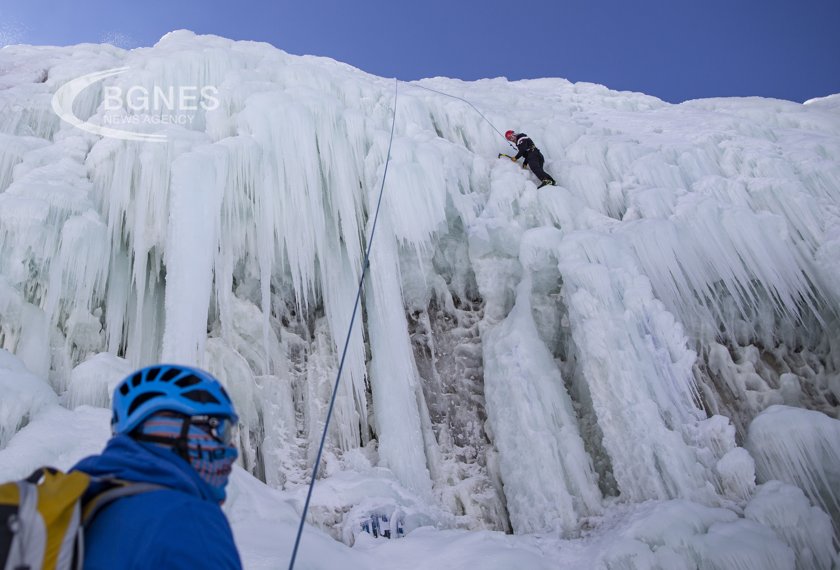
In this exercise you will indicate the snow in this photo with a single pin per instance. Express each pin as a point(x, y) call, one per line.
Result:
point(575, 364)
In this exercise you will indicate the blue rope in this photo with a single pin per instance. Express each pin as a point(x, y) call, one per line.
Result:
point(465, 101)
point(346, 341)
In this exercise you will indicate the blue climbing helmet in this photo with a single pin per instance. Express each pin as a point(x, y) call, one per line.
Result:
point(168, 387)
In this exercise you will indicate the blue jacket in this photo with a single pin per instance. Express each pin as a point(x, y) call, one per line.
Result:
point(180, 527)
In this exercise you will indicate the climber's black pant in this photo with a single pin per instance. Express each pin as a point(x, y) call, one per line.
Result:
point(535, 160)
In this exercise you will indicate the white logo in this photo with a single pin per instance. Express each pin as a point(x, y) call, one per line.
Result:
point(155, 107)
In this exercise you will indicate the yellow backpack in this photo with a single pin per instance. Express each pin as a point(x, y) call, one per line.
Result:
point(42, 517)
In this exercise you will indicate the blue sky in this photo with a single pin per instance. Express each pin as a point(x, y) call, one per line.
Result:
point(673, 49)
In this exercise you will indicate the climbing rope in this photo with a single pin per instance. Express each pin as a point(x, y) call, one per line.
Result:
point(465, 101)
point(347, 339)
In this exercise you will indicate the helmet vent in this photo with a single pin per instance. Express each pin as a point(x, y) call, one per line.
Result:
point(142, 399)
point(136, 379)
point(201, 396)
point(169, 375)
point(124, 389)
point(186, 381)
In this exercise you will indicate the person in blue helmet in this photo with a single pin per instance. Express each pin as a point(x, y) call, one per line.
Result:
point(172, 427)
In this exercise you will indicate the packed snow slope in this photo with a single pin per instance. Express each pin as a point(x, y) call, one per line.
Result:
point(528, 360)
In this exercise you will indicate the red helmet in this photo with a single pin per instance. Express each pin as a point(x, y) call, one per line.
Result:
point(509, 135)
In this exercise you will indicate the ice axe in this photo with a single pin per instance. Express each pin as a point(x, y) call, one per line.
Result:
point(501, 154)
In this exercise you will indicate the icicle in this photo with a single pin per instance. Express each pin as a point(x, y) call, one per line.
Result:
point(548, 476)
point(393, 372)
point(705, 256)
point(191, 244)
point(637, 370)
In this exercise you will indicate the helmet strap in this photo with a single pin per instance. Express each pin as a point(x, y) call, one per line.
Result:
point(182, 443)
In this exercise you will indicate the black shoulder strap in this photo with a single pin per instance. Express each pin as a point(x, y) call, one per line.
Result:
point(36, 475)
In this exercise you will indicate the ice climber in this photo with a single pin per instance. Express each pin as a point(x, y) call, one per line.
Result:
point(533, 157)
point(172, 427)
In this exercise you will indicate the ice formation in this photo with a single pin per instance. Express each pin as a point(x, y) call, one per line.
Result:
point(93, 381)
point(681, 535)
point(525, 359)
point(806, 529)
point(24, 395)
point(800, 447)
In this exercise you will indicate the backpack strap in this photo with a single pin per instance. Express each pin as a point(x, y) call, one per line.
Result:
point(118, 489)
point(115, 489)
point(39, 473)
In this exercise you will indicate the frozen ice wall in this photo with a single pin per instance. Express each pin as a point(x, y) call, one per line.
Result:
point(523, 357)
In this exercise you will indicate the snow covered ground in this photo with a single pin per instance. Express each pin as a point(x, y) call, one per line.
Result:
point(637, 368)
